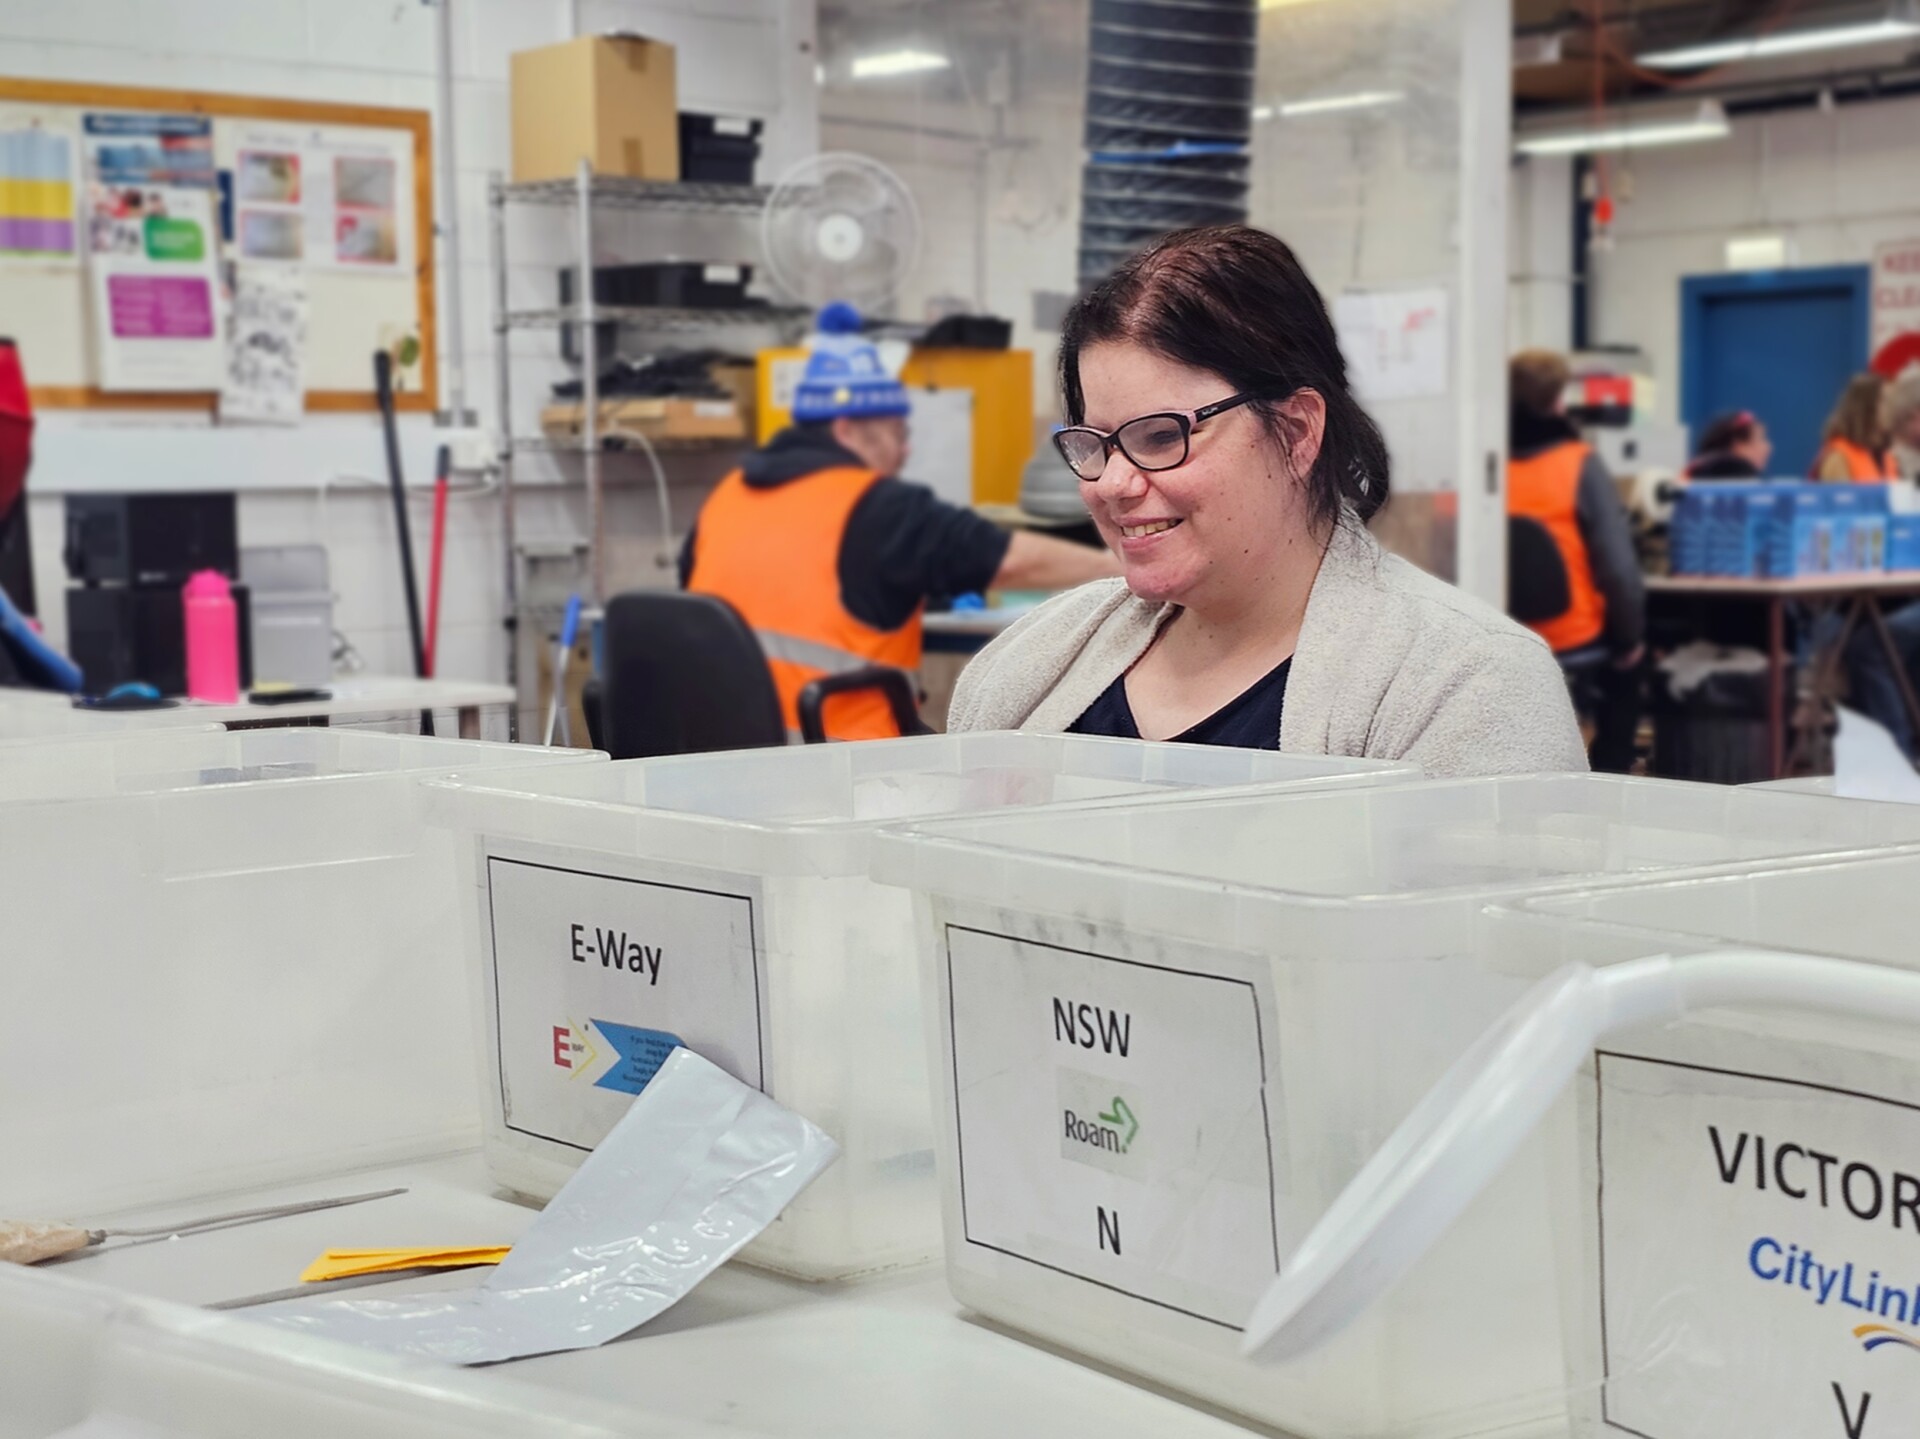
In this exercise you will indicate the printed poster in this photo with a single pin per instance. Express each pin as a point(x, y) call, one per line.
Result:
point(39, 217)
point(266, 347)
point(153, 255)
point(1395, 343)
point(169, 150)
point(309, 198)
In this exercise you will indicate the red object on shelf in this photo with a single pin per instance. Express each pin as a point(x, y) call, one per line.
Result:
point(16, 427)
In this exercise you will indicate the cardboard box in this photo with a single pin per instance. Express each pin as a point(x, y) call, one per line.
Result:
point(608, 98)
point(657, 419)
point(740, 378)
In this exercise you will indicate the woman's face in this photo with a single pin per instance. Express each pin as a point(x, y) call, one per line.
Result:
point(1208, 530)
point(1757, 447)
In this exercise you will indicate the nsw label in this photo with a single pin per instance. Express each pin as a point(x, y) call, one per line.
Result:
point(1113, 1119)
point(1759, 1248)
point(597, 977)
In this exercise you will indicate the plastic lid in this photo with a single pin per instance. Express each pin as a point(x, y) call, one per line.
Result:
point(1458, 1138)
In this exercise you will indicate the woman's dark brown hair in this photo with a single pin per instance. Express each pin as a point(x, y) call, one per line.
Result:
point(1234, 300)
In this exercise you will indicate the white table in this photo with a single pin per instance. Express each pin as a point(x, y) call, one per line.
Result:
point(746, 1351)
point(356, 697)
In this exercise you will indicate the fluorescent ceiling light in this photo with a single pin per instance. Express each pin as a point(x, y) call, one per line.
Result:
point(1788, 42)
point(1329, 104)
point(897, 62)
point(1666, 127)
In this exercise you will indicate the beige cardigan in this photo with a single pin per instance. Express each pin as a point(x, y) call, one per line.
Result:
point(1391, 664)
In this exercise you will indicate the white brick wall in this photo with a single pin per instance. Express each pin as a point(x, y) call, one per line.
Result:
point(1836, 185)
point(311, 483)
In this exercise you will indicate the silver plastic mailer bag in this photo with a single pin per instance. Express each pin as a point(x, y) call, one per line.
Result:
point(695, 1169)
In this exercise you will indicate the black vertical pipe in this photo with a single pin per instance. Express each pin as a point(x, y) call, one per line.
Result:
point(1579, 293)
point(383, 392)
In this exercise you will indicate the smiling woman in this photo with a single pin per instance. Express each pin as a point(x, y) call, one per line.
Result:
point(1225, 461)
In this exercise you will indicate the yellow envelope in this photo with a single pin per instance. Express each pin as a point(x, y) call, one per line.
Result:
point(343, 1263)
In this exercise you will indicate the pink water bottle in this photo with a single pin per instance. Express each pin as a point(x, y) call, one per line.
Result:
point(213, 639)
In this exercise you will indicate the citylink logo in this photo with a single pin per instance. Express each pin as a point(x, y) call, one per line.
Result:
point(1844, 1284)
point(1878, 1336)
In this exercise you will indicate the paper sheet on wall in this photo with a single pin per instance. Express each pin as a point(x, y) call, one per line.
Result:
point(140, 150)
point(39, 190)
point(157, 308)
point(311, 197)
point(1395, 343)
point(266, 346)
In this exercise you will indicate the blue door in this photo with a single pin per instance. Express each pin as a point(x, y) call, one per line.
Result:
point(1782, 343)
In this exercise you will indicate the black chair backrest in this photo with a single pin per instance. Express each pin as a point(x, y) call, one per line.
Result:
point(682, 674)
point(1537, 586)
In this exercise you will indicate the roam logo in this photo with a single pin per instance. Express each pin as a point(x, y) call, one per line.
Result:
point(1097, 1125)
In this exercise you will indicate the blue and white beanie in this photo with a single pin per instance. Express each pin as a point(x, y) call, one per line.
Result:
point(845, 375)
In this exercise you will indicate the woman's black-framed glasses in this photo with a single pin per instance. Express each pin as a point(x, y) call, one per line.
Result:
point(1159, 441)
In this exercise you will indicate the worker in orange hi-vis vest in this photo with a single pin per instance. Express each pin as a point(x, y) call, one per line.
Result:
point(1556, 480)
point(1854, 445)
point(830, 557)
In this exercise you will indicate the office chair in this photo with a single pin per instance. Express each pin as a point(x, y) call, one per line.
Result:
point(683, 674)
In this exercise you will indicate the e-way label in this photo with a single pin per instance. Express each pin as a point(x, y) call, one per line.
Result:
point(597, 977)
point(1759, 1247)
point(1113, 1120)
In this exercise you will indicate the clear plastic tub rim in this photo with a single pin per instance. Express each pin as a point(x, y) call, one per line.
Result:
point(1740, 1188)
point(1275, 982)
point(724, 902)
point(72, 1351)
point(229, 959)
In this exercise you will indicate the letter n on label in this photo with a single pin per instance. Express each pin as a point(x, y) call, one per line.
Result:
point(1109, 1228)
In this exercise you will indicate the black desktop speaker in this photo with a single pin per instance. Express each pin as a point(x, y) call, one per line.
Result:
point(126, 634)
point(151, 539)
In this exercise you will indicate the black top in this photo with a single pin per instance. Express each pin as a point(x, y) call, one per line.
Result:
point(1723, 465)
point(1250, 722)
point(902, 543)
point(1603, 524)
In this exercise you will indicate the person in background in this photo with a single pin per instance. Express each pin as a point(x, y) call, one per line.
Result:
point(1555, 479)
point(1854, 444)
point(1870, 675)
point(1903, 424)
point(1734, 446)
point(1223, 456)
point(830, 557)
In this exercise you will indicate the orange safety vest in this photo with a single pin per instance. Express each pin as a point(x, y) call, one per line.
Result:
point(1546, 488)
point(1863, 467)
point(774, 555)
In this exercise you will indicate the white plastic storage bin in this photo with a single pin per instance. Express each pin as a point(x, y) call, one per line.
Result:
point(1713, 1153)
point(227, 959)
point(72, 1354)
point(27, 715)
point(1167, 1040)
point(724, 900)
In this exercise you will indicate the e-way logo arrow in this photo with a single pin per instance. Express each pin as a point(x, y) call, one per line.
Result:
point(636, 1054)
